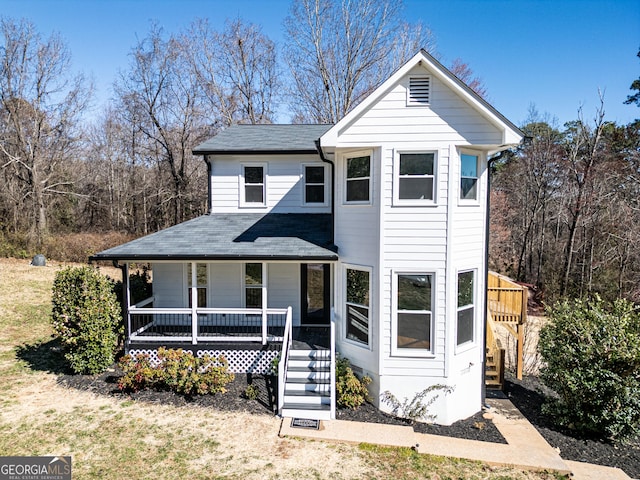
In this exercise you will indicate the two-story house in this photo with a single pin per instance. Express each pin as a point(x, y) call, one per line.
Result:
point(365, 238)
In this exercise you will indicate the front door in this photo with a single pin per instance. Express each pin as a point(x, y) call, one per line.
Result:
point(316, 285)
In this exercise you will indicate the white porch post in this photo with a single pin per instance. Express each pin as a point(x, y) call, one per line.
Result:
point(194, 303)
point(264, 303)
point(127, 298)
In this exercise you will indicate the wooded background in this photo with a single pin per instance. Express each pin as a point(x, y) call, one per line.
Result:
point(565, 211)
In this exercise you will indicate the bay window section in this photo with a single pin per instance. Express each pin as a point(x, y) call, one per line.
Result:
point(414, 314)
point(468, 177)
point(357, 305)
point(358, 179)
point(415, 174)
point(466, 307)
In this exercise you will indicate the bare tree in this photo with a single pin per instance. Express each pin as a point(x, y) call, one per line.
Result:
point(338, 51)
point(463, 71)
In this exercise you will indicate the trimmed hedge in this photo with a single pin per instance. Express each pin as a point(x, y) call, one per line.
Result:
point(86, 316)
point(592, 356)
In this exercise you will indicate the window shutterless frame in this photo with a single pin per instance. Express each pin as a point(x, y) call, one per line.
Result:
point(413, 306)
point(314, 185)
point(358, 170)
point(414, 178)
point(469, 177)
point(253, 185)
point(466, 311)
point(357, 308)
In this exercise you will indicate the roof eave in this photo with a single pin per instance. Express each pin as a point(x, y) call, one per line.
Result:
point(255, 152)
point(168, 257)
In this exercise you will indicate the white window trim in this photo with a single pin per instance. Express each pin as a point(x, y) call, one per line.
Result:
point(188, 281)
point(412, 352)
point(369, 270)
point(262, 286)
point(243, 202)
point(467, 201)
point(303, 176)
point(346, 157)
point(463, 347)
point(413, 103)
point(396, 180)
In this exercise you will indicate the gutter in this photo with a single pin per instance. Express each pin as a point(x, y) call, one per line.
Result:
point(333, 188)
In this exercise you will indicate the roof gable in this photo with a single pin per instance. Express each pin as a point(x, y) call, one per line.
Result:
point(511, 134)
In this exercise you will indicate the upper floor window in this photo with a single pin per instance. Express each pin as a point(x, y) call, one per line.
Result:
point(468, 177)
point(358, 179)
point(314, 185)
point(466, 307)
point(414, 178)
point(252, 185)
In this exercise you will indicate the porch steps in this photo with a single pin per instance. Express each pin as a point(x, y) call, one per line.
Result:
point(492, 375)
point(307, 389)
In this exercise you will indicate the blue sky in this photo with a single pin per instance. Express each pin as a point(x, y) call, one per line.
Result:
point(554, 54)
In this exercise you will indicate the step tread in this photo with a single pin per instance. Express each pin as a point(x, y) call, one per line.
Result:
point(306, 406)
point(317, 369)
point(305, 393)
point(309, 381)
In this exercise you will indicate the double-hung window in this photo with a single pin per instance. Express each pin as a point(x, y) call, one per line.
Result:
point(253, 285)
point(466, 307)
point(468, 177)
point(314, 185)
point(252, 185)
point(414, 178)
point(414, 314)
point(358, 295)
point(358, 179)
point(200, 284)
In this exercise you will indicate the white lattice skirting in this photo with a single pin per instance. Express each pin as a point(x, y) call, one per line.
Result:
point(240, 361)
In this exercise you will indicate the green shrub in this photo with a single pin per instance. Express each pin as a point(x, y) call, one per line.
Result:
point(176, 370)
point(251, 392)
point(351, 391)
point(592, 356)
point(85, 316)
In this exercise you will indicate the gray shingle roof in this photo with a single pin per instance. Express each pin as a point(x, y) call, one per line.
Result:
point(264, 139)
point(283, 236)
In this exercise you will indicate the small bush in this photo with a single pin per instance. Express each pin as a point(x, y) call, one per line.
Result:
point(592, 356)
point(251, 392)
point(85, 316)
point(178, 371)
point(351, 391)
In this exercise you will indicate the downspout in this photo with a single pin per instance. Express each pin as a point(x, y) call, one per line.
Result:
point(209, 186)
point(490, 163)
point(333, 188)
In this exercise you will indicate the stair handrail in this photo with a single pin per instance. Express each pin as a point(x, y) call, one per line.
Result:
point(495, 347)
point(332, 369)
point(284, 358)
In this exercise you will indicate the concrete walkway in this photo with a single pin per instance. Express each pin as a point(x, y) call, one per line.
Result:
point(525, 448)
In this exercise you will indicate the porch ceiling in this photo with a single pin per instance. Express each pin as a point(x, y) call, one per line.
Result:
point(236, 236)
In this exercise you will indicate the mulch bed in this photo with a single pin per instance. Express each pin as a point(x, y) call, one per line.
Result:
point(526, 395)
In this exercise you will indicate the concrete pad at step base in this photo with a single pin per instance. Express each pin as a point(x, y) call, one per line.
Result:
point(588, 471)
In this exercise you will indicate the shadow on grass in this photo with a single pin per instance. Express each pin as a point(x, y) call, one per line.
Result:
point(44, 357)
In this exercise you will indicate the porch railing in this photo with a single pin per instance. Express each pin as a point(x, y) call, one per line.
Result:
point(204, 325)
point(287, 339)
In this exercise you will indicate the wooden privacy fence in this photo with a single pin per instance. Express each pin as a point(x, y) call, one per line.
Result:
point(507, 303)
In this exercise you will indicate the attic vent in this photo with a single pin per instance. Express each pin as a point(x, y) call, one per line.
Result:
point(418, 93)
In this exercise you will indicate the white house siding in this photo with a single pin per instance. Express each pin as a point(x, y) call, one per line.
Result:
point(225, 282)
point(283, 287)
point(284, 183)
point(168, 285)
point(415, 239)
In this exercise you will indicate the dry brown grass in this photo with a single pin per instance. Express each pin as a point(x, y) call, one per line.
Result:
point(117, 438)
